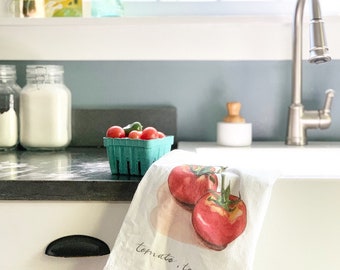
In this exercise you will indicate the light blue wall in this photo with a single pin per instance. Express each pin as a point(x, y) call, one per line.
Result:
point(200, 89)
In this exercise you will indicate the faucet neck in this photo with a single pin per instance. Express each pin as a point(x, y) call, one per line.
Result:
point(297, 53)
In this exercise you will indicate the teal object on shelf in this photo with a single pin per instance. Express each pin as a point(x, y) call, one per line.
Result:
point(106, 8)
point(134, 156)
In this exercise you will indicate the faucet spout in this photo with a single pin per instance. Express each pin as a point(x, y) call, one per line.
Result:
point(318, 44)
point(300, 120)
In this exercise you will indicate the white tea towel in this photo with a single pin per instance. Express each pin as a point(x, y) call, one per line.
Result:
point(160, 232)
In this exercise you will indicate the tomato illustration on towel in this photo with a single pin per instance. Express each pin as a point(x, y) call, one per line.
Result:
point(188, 183)
point(219, 218)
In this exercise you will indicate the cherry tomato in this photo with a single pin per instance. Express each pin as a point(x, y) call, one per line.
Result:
point(135, 134)
point(115, 132)
point(161, 134)
point(149, 133)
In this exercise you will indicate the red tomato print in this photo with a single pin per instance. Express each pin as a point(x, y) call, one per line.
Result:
point(219, 218)
point(188, 183)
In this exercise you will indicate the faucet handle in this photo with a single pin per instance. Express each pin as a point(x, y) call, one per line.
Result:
point(330, 93)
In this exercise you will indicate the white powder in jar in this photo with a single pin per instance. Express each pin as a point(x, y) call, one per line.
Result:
point(8, 129)
point(45, 116)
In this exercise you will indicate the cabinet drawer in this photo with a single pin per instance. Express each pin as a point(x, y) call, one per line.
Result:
point(28, 227)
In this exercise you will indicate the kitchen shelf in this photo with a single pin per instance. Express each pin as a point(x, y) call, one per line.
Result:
point(154, 38)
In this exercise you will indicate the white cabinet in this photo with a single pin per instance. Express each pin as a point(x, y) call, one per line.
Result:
point(27, 227)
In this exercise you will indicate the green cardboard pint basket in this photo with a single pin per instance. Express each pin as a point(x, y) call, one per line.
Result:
point(133, 156)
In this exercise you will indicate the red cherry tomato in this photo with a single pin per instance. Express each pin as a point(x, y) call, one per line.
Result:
point(115, 132)
point(161, 134)
point(149, 133)
point(135, 134)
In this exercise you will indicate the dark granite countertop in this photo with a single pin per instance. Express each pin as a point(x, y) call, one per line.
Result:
point(74, 174)
point(82, 172)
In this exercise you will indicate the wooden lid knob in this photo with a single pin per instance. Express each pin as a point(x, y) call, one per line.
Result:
point(233, 116)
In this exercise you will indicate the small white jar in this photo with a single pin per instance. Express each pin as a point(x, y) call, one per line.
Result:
point(45, 109)
point(9, 105)
point(234, 134)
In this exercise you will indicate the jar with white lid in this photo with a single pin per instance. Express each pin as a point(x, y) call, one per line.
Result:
point(45, 109)
point(9, 105)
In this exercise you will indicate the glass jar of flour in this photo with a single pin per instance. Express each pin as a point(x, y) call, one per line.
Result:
point(45, 109)
point(9, 105)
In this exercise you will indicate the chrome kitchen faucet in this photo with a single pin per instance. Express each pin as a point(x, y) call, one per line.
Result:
point(299, 120)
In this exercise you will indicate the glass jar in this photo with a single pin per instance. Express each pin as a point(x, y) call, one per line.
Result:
point(45, 109)
point(9, 105)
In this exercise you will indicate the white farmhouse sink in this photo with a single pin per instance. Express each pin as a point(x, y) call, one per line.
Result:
point(316, 160)
point(301, 229)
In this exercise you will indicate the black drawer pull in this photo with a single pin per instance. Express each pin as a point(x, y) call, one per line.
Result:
point(77, 246)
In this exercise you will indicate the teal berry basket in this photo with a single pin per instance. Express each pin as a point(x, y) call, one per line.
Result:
point(133, 156)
